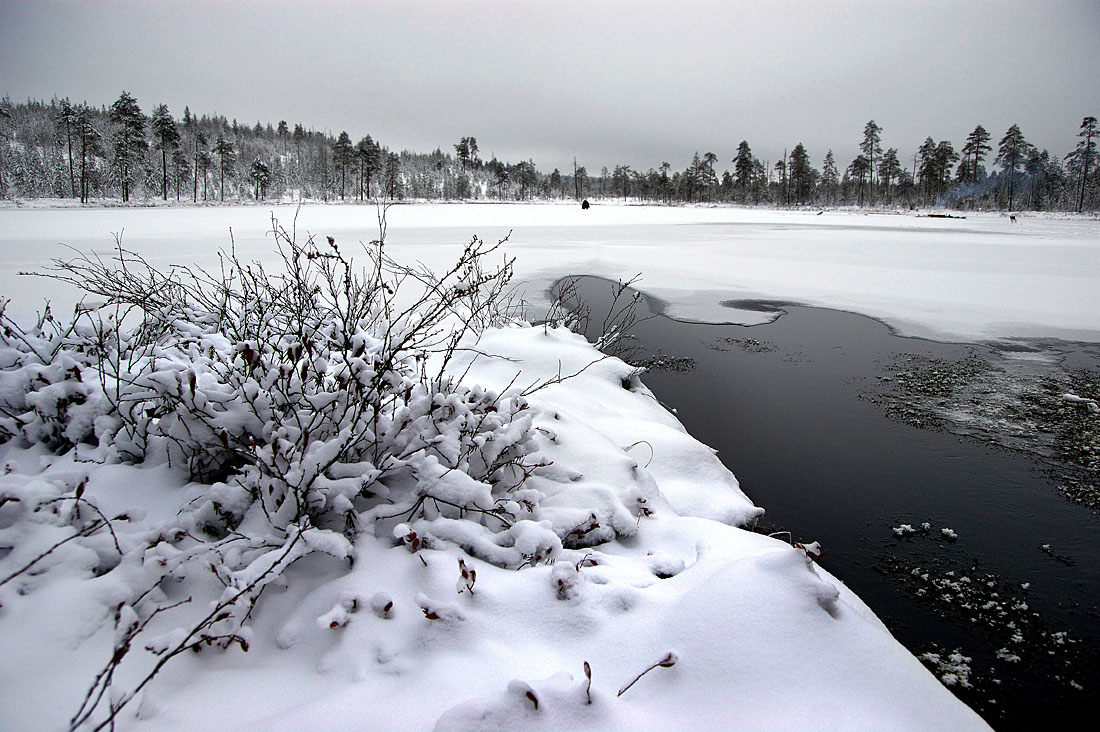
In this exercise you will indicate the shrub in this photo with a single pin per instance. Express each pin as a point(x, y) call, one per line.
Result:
point(309, 402)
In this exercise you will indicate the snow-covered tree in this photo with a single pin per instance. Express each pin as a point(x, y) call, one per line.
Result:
point(166, 138)
point(129, 139)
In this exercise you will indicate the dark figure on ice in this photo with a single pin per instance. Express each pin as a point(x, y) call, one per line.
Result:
point(584, 204)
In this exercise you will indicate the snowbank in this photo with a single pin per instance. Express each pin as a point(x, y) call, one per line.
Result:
point(428, 637)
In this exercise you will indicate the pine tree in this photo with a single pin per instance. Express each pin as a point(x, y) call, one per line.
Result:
point(527, 176)
point(200, 152)
point(260, 175)
point(801, 173)
point(889, 170)
point(471, 143)
point(284, 131)
point(926, 173)
point(89, 138)
point(367, 154)
point(129, 140)
point(860, 169)
point(945, 156)
point(1082, 157)
point(181, 168)
point(555, 182)
point(781, 169)
point(226, 157)
point(203, 160)
point(708, 181)
point(167, 139)
point(975, 149)
point(299, 135)
point(871, 148)
point(1011, 153)
point(67, 118)
point(462, 152)
point(5, 118)
point(343, 155)
point(392, 175)
point(830, 177)
point(743, 168)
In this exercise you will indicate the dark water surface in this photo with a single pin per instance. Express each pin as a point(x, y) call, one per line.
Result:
point(789, 405)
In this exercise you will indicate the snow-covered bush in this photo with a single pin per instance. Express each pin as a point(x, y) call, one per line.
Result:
point(296, 393)
point(309, 404)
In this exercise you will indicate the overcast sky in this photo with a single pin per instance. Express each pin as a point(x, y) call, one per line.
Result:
point(630, 81)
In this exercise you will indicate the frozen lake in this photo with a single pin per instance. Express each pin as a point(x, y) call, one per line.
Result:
point(983, 277)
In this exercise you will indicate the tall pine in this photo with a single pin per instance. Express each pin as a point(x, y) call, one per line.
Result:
point(973, 153)
point(1081, 158)
point(129, 139)
point(1011, 154)
point(166, 137)
point(871, 147)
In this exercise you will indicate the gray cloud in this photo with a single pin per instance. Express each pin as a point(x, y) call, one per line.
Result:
point(635, 82)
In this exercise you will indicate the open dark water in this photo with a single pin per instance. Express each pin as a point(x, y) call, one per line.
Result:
point(786, 405)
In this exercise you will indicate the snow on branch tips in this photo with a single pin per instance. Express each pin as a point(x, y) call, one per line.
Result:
point(309, 402)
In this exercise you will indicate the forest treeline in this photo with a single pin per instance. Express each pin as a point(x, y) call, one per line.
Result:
point(59, 149)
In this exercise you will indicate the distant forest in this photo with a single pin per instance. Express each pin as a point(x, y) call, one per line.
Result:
point(59, 149)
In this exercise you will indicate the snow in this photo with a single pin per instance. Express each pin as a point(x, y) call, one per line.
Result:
point(982, 277)
point(636, 552)
point(396, 637)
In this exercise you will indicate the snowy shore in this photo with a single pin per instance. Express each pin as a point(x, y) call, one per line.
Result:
point(760, 633)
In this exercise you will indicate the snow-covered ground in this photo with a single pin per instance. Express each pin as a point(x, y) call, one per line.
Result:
point(759, 633)
point(760, 637)
point(981, 277)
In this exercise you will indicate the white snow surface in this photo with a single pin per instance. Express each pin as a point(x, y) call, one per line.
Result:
point(763, 637)
point(982, 277)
